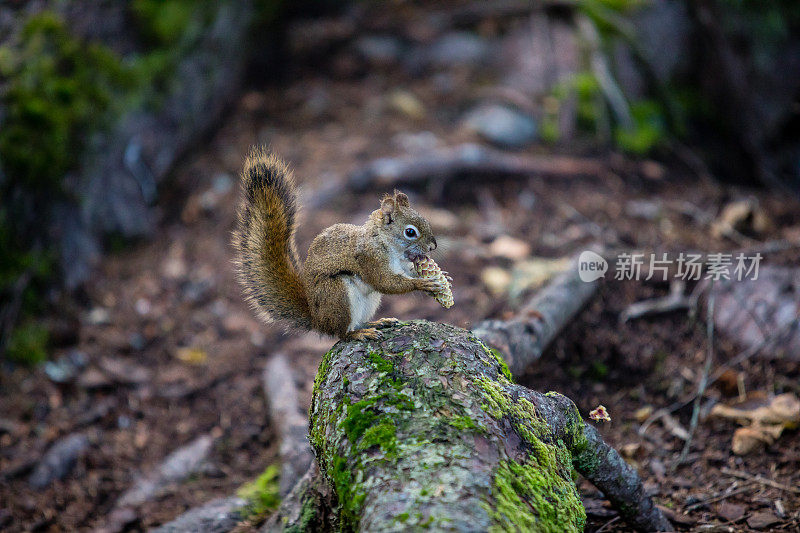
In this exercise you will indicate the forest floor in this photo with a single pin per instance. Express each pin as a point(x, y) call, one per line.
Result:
point(173, 353)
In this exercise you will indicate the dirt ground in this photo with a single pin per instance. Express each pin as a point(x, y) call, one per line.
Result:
point(145, 392)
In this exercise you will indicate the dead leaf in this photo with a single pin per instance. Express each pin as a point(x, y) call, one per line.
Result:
point(762, 520)
point(741, 217)
point(407, 104)
point(496, 280)
point(631, 450)
point(764, 420)
point(192, 356)
point(783, 409)
point(643, 413)
point(510, 248)
point(730, 511)
point(753, 438)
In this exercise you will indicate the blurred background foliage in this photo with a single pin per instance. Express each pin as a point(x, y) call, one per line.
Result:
point(718, 75)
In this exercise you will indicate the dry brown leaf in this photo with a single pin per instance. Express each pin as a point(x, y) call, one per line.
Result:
point(783, 409)
point(764, 424)
point(510, 248)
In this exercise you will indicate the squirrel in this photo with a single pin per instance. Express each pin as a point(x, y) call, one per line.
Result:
point(338, 288)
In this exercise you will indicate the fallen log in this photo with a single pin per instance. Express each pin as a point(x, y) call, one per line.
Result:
point(467, 158)
point(523, 338)
point(289, 421)
point(424, 428)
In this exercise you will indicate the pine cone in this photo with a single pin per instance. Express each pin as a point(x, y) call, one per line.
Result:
point(427, 268)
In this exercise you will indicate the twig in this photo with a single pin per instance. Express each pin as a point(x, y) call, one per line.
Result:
point(607, 524)
point(743, 356)
point(703, 380)
point(725, 495)
point(523, 338)
point(675, 301)
point(759, 479)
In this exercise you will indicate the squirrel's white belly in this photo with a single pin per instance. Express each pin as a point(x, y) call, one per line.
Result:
point(364, 301)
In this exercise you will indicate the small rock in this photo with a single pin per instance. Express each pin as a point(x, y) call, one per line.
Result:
point(458, 49)
point(223, 183)
point(234, 322)
point(416, 142)
point(502, 126)
point(94, 379)
point(59, 460)
point(125, 372)
point(762, 520)
point(644, 209)
point(98, 316)
point(65, 369)
point(142, 306)
point(380, 50)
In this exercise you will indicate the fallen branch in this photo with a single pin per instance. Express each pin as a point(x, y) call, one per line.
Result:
point(289, 421)
point(523, 338)
point(217, 516)
point(447, 163)
point(424, 428)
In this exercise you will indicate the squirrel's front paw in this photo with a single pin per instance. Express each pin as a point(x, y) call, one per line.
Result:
point(383, 322)
point(431, 285)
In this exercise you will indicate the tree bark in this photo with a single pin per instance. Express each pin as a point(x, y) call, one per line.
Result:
point(424, 428)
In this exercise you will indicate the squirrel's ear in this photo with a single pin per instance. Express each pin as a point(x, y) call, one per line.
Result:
point(400, 198)
point(387, 208)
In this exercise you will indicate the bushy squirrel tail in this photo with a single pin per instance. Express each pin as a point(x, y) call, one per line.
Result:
point(267, 264)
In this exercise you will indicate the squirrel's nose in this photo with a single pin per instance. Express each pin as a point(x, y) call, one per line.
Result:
point(432, 245)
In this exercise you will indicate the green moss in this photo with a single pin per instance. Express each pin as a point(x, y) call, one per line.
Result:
point(528, 498)
point(503, 365)
point(462, 422)
point(262, 494)
point(383, 435)
point(28, 344)
point(380, 363)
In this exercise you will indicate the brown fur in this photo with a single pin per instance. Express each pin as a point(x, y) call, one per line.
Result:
point(342, 259)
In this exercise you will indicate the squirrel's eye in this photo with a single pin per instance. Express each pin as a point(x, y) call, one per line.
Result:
point(411, 232)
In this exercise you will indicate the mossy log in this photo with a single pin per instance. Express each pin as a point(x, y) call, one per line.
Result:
point(424, 428)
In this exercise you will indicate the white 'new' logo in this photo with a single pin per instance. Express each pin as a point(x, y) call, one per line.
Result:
point(591, 266)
